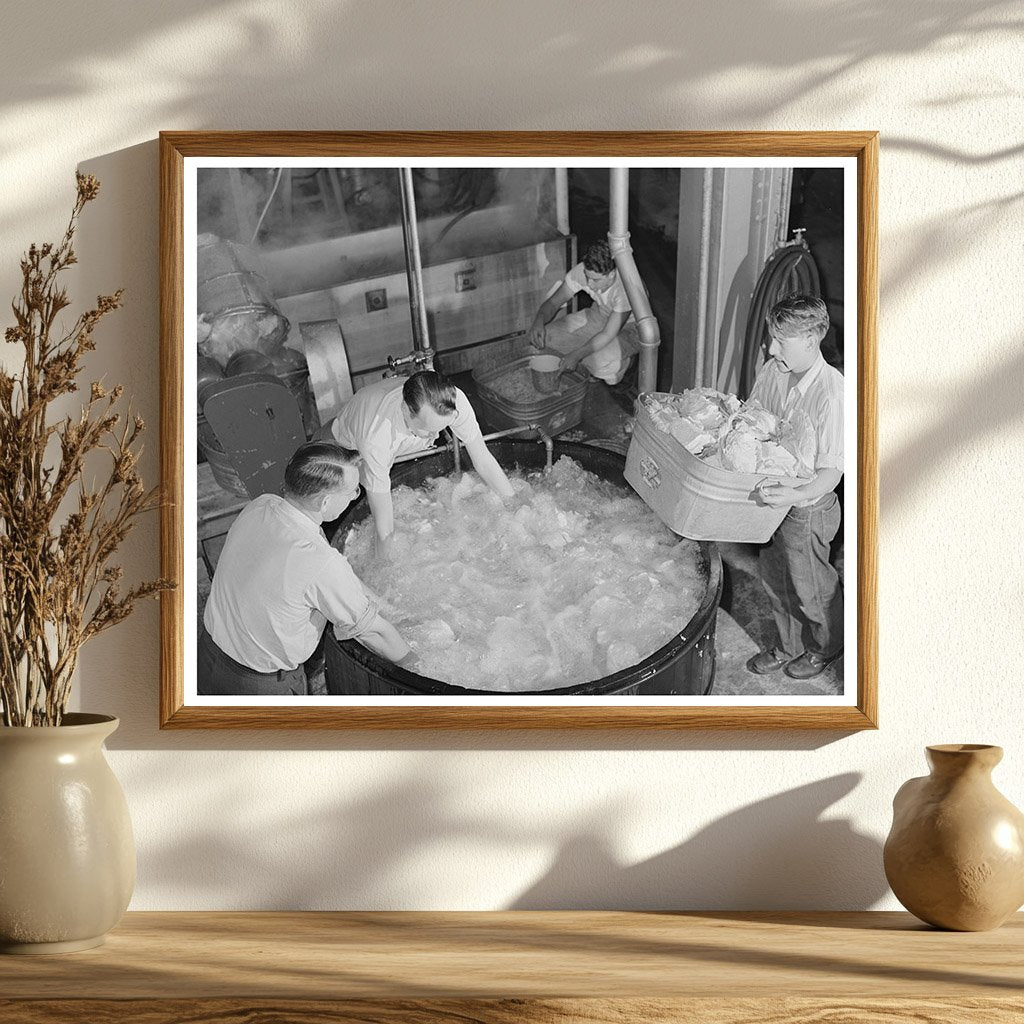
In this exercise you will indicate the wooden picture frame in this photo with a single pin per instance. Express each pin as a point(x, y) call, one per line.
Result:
point(857, 710)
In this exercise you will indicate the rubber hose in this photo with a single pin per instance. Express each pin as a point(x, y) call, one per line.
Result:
point(790, 270)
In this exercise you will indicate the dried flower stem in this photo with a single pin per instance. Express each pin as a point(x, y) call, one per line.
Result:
point(57, 586)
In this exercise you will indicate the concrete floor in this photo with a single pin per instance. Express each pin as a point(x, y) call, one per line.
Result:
point(745, 624)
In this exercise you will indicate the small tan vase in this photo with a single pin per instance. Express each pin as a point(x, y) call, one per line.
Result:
point(955, 854)
point(67, 856)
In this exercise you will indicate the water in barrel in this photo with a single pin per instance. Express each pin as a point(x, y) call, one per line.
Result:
point(571, 580)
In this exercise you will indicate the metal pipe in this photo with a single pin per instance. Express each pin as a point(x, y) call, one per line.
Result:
point(414, 265)
point(510, 431)
point(618, 242)
point(433, 450)
point(456, 451)
point(562, 200)
point(618, 202)
point(549, 445)
point(416, 359)
point(549, 450)
point(704, 274)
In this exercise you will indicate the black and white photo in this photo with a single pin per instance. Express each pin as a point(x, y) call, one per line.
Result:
point(521, 433)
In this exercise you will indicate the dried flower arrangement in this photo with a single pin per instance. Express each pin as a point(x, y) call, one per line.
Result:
point(58, 533)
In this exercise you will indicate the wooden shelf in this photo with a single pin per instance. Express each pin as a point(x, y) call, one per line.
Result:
point(425, 968)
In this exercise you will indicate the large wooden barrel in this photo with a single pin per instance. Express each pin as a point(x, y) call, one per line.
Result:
point(683, 666)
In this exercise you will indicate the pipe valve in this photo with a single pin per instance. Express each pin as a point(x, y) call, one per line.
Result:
point(418, 360)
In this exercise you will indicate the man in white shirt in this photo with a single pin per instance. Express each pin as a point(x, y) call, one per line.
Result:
point(400, 416)
point(278, 582)
point(603, 337)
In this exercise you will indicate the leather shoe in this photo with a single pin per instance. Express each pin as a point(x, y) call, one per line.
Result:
point(765, 662)
point(810, 664)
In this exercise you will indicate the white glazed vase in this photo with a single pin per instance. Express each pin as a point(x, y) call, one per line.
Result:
point(67, 854)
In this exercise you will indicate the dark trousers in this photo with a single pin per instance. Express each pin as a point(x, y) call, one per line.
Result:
point(802, 586)
point(222, 676)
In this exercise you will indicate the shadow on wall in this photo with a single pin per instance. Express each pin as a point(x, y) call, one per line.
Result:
point(286, 51)
point(117, 246)
point(990, 404)
point(944, 239)
point(776, 854)
point(431, 848)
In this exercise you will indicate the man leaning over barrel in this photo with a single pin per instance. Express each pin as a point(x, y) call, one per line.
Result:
point(278, 583)
point(396, 417)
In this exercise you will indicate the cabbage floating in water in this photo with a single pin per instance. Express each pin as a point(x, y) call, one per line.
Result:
point(571, 580)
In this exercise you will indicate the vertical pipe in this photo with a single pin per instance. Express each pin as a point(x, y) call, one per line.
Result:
point(413, 264)
point(618, 241)
point(618, 202)
point(562, 200)
point(704, 273)
point(782, 209)
point(456, 454)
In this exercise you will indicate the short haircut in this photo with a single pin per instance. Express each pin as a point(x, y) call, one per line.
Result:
point(429, 388)
point(317, 467)
point(798, 314)
point(599, 259)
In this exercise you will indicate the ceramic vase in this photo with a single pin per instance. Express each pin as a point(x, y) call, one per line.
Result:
point(955, 854)
point(67, 855)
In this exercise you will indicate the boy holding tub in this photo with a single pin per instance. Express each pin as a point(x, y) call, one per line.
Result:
point(604, 337)
point(802, 586)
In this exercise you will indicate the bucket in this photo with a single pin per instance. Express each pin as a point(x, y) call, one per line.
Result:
point(221, 466)
point(500, 410)
point(546, 371)
point(695, 499)
point(235, 300)
point(290, 366)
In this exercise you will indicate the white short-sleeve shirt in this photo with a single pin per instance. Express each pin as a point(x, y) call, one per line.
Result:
point(819, 393)
point(372, 424)
point(278, 582)
point(612, 299)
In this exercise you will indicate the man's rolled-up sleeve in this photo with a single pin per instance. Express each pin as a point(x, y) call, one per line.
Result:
point(830, 423)
point(340, 596)
point(375, 467)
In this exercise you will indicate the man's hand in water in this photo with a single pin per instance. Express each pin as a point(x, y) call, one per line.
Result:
point(522, 494)
point(386, 547)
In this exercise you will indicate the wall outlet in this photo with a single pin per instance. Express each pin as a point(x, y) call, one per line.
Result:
point(376, 299)
point(465, 280)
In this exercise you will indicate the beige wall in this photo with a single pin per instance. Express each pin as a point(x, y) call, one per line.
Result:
point(627, 820)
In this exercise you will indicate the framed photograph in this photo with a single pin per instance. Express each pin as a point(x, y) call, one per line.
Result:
point(519, 430)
